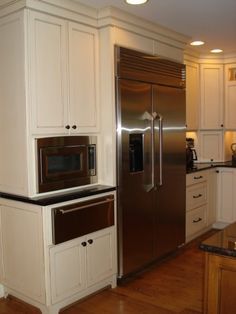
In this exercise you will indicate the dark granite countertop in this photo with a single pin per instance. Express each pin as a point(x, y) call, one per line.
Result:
point(222, 242)
point(208, 165)
point(61, 196)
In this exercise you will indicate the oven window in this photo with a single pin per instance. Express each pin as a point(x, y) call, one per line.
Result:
point(64, 163)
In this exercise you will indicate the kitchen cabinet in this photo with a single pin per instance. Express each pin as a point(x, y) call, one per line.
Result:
point(47, 275)
point(192, 95)
point(64, 75)
point(80, 264)
point(226, 198)
point(230, 96)
point(211, 145)
point(200, 195)
point(212, 96)
point(220, 284)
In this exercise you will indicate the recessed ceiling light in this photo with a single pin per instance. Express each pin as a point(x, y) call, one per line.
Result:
point(136, 2)
point(216, 50)
point(197, 43)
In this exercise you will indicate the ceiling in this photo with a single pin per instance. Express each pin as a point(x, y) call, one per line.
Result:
point(213, 21)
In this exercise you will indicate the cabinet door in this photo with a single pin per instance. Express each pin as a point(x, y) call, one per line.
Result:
point(226, 195)
point(67, 269)
point(48, 73)
point(211, 146)
point(83, 74)
point(211, 77)
point(230, 96)
point(192, 95)
point(101, 260)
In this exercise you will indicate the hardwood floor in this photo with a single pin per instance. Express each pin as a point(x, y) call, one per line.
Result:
point(174, 286)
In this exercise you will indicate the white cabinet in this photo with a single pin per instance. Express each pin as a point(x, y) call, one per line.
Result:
point(230, 96)
point(200, 209)
point(226, 196)
point(212, 96)
point(81, 263)
point(211, 145)
point(51, 276)
point(64, 75)
point(192, 95)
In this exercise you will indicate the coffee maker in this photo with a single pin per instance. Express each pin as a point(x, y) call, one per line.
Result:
point(191, 154)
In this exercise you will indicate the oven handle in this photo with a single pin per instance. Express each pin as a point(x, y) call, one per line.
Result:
point(62, 211)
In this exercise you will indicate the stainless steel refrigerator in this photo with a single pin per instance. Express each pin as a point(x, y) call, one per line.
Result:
point(151, 157)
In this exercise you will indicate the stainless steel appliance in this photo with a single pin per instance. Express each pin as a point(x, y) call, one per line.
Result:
point(65, 162)
point(191, 154)
point(150, 157)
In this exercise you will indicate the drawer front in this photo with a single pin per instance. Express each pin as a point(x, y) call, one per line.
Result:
point(196, 177)
point(196, 220)
point(196, 196)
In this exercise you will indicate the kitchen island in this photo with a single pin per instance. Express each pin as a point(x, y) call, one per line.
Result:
point(220, 271)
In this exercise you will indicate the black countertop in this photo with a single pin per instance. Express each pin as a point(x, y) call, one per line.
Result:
point(61, 196)
point(208, 165)
point(222, 242)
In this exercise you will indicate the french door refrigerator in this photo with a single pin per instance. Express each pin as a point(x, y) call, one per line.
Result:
point(151, 168)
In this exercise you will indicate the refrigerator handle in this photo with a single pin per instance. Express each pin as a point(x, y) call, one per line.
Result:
point(151, 118)
point(160, 121)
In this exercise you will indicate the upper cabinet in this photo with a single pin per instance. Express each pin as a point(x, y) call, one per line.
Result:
point(192, 95)
point(212, 100)
point(230, 96)
point(64, 75)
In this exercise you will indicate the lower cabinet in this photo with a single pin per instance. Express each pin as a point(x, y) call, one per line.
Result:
point(81, 263)
point(200, 204)
point(52, 276)
point(220, 284)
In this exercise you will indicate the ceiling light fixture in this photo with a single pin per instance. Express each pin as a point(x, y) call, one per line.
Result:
point(216, 50)
point(136, 2)
point(197, 43)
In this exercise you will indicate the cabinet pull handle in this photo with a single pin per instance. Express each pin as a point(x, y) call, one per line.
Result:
point(197, 196)
point(67, 211)
point(197, 220)
point(197, 178)
point(90, 241)
point(83, 243)
point(74, 127)
point(67, 127)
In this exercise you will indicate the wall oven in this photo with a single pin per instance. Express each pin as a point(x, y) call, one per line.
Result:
point(65, 162)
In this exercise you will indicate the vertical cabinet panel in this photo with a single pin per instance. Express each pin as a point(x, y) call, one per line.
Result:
point(230, 96)
point(83, 61)
point(192, 95)
point(211, 146)
point(211, 77)
point(48, 69)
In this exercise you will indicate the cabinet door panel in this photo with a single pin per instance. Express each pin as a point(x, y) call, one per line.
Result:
point(48, 73)
point(83, 63)
point(100, 256)
point(211, 96)
point(67, 262)
point(211, 146)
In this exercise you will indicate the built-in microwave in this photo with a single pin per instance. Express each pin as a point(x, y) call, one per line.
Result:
point(65, 162)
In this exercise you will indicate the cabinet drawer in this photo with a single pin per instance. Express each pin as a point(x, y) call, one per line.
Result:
point(196, 177)
point(196, 196)
point(196, 220)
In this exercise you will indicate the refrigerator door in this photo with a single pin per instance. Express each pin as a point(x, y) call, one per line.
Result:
point(135, 176)
point(170, 172)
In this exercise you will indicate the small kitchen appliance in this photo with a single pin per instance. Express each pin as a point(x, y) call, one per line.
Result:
point(233, 148)
point(191, 154)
